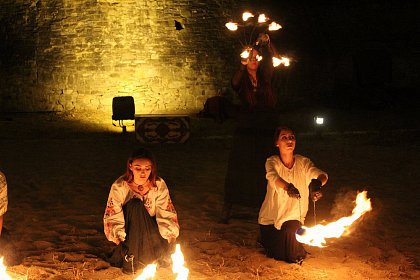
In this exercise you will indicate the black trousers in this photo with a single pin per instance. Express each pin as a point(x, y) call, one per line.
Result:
point(143, 240)
point(282, 244)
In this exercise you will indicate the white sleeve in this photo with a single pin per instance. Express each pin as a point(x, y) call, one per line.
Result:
point(272, 174)
point(166, 215)
point(312, 172)
point(114, 224)
point(270, 168)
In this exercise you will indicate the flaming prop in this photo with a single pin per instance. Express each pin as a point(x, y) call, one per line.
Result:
point(263, 27)
point(246, 16)
point(3, 273)
point(178, 264)
point(148, 272)
point(315, 236)
point(177, 267)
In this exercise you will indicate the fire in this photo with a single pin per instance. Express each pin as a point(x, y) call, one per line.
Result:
point(148, 272)
point(232, 26)
point(315, 236)
point(274, 26)
point(262, 18)
point(285, 60)
point(3, 273)
point(178, 264)
point(177, 267)
point(245, 54)
point(246, 16)
point(282, 60)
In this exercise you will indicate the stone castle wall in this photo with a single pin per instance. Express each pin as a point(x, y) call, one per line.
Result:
point(74, 56)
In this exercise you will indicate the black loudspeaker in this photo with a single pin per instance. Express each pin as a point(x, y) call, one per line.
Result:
point(123, 108)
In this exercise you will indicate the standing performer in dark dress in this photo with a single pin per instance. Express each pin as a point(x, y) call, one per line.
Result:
point(139, 216)
point(252, 141)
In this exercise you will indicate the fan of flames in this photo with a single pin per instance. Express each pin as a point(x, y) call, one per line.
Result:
point(316, 235)
point(261, 21)
point(177, 267)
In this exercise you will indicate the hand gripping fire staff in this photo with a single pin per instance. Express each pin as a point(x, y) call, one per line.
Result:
point(315, 193)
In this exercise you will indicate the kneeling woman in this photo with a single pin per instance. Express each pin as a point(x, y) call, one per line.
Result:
point(139, 216)
point(291, 180)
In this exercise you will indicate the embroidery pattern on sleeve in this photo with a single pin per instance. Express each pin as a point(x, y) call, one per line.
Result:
point(170, 207)
point(148, 204)
point(110, 208)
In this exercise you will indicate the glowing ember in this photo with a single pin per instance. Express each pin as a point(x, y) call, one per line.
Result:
point(148, 272)
point(3, 273)
point(283, 60)
point(315, 236)
point(274, 26)
point(286, 61)
point(245, 54)
point(246, 16)
point(178, 264)
point(232, 26)
point(276, 61)
point(262, 18)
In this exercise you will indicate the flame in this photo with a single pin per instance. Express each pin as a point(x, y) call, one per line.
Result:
point(315, 236)
point(286, 61)
point(3, 273)
point(245, 54)
point(262, 18)
point(178, 264)
point(148, 272)
point(282, 60)
point(246, 16)
point(274, 26)
point(232, 26)
point(258, 57)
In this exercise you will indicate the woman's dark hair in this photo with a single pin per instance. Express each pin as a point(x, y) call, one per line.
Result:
point(279, 130)
point(145, 154)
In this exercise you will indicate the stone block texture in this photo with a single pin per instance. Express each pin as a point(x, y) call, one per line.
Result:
point(74, 56)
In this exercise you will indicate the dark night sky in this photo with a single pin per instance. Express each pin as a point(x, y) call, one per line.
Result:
point(380, 36)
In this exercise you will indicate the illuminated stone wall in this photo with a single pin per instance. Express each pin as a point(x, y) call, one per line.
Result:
point(74, 56)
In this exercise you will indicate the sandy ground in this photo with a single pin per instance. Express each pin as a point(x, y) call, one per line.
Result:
point(59, 176)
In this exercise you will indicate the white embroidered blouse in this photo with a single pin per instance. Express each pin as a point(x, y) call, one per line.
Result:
point(157, 202)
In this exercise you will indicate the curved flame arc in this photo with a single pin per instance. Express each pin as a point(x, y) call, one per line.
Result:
point(316, 235)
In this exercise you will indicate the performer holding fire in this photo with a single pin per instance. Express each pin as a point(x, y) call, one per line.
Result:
point(140, 217)
point(257, 118)
point(286, 202)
